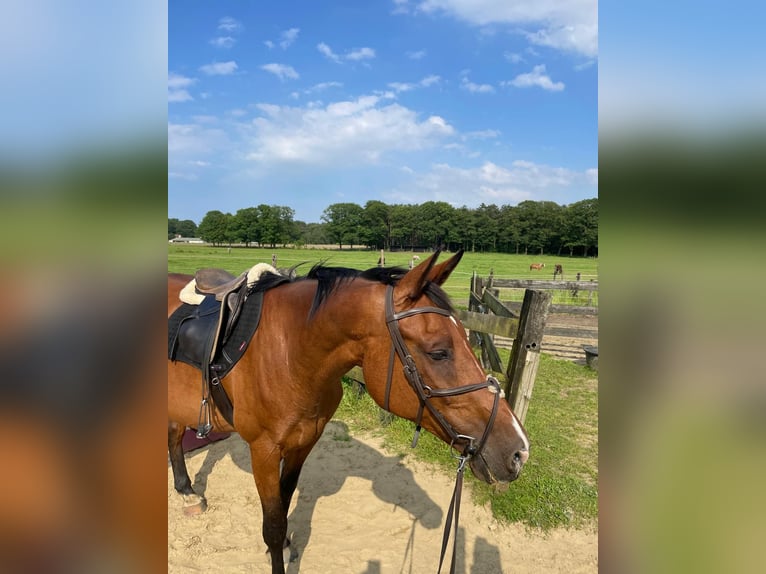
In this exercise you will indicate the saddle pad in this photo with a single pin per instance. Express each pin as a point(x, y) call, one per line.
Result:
point(189, 317)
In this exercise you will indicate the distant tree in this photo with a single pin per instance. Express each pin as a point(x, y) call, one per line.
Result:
point(314, 233)
point(487, 224)
point(531, 221)
point(246, 226)
point(404, 226)
point(465, 233)
point(343, 221)
point(581, 226)
point(288, 231)
point(436, 221)
point(215, 227)
point(276, 225)
point(186, 228)
point(509, 233)
point(269, 225)
point(376, 225)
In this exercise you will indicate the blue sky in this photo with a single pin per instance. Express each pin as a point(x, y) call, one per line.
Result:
point(306, 104)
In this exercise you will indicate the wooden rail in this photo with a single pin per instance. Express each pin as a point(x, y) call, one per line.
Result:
point(537, 284)
point(487, 316)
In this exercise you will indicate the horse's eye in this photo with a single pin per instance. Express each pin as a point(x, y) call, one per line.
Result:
point(439, 355)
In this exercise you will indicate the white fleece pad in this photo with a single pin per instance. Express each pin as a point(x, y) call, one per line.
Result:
point(189, 293)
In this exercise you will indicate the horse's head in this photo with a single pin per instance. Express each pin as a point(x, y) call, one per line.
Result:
point(425, 371)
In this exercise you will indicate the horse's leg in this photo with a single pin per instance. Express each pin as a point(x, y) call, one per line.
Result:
point(193, 503)
point(276, 481)
point(265, 463)
point(288, 481)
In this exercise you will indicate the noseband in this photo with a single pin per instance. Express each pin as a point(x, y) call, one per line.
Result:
point(425, 393)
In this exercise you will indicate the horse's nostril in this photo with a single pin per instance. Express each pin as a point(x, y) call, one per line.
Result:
point(521, 456)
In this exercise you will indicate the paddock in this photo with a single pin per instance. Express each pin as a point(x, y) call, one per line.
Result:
point(359, 509)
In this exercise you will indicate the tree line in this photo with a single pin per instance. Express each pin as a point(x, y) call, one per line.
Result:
point(530, 227)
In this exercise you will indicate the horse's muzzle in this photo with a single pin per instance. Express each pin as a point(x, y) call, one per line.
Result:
point(506, 471)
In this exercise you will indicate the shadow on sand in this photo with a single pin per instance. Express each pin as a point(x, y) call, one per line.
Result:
point(391, 481)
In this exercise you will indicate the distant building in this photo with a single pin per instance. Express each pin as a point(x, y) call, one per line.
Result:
point(179, 239)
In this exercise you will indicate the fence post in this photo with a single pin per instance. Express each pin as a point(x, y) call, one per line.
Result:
point(525, 354)
point(476, 289)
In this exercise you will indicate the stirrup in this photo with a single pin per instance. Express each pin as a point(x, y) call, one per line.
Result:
point(204, 428)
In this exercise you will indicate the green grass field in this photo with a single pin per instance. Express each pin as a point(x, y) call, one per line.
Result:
point(558, 487)
point(188, 258)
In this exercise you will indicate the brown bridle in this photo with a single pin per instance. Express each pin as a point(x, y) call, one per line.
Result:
point(424, 394)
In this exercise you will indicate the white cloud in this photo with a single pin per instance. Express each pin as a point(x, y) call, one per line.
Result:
point(407, 86)
point(355, 55)
point(513, 58)
point(492, 183)
point(419, 55)
point(179, 96)
point(193, 140)
point(229, 24)
point(177, 88)
point(341, 133)
point(281, 71)
point(269, 44)
point(584, 65)
point(401, 87)
point(223, 42)
point(327, 52)
point(360, 54)
point(567, 25)
point(320, 87)
point(176, 81)
point(536, 78)
point(468, 85)
point(481, 135)
point(288, 37)
point(219, 68)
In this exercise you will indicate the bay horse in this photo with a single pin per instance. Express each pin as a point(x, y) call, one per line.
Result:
point(399, 327)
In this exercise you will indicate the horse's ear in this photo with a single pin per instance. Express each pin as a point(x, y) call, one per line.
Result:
point(440, 273)
point(411, 286)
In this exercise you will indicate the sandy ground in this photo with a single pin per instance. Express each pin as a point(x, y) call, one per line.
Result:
point(357, 510)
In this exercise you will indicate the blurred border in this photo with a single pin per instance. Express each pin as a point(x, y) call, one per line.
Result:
point(683, 400)
point(83, 190)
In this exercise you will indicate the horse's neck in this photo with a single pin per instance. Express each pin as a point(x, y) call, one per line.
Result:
point(340, 328)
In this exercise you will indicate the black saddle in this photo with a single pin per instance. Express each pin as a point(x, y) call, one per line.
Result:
point(213, 336)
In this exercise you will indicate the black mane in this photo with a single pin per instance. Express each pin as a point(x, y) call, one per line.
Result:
point(329, 279)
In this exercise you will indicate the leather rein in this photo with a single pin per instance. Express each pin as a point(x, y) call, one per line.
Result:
point(425, 393)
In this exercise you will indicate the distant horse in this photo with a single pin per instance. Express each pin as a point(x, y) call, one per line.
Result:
point(536, 266)
point(558, 270)
point(417, 363)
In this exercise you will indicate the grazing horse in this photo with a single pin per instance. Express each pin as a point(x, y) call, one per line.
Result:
point(399, 327)
point(536, 266)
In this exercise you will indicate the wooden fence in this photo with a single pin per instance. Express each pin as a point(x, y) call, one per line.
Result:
point(487, 316)
point(524, 322)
